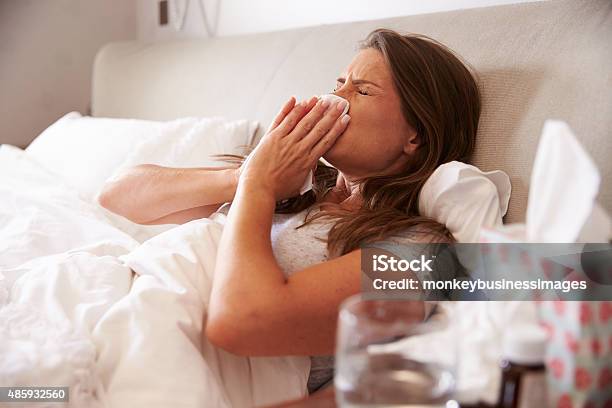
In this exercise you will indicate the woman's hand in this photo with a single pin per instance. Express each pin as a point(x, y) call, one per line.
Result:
point(297, 138)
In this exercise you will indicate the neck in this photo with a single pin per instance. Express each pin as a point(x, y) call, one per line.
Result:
point(346, 192)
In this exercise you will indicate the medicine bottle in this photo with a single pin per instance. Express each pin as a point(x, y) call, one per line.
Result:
point(523, 382)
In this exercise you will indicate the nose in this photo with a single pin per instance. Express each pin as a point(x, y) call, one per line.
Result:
point(342, 92)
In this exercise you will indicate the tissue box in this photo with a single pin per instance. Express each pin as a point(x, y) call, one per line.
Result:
point(562, 208)
point(579, 355)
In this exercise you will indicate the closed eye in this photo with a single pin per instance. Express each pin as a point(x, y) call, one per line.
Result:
point(360, 91)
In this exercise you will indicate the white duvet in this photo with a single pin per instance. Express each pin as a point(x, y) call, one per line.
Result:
point(84, 305)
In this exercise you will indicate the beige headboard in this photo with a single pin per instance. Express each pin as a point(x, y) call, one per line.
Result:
point(536, 61)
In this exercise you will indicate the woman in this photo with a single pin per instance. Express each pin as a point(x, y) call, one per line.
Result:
point(413, 106)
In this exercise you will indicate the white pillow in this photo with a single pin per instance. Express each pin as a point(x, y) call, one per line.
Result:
point(194, 147)
point(465, 199)
point(86, 151)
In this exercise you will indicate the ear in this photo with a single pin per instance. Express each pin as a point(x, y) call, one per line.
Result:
point(413, 141)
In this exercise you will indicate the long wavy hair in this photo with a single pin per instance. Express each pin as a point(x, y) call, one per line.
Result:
point(440, 100)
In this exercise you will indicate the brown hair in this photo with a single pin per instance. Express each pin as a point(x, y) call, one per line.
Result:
point(440, 100)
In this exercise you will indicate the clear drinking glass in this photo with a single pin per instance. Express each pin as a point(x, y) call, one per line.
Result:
point(387, 356)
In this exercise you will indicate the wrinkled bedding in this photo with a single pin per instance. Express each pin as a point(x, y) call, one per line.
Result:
point(85, 305)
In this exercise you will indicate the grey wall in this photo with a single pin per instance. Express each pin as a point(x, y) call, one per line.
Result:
point(253, 16)
point(47, 48)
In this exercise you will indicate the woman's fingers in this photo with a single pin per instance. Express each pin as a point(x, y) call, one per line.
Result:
point(324, 125)
point(324, 143)
point(308, 123)
point(289, 122)
point(283, 112)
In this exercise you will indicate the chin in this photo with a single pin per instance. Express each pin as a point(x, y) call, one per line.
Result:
point(334, 155)
point(341, 157)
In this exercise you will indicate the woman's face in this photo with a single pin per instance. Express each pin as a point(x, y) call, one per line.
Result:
point(377, 139)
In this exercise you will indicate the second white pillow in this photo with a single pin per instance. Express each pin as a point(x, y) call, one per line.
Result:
point(465, 199)
point(86, 151)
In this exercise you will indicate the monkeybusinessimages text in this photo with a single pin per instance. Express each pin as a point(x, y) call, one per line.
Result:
point(423, 266)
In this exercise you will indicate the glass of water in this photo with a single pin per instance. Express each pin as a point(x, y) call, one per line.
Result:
point(387, 355)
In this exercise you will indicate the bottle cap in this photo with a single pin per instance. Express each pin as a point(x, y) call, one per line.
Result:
point(525, 344)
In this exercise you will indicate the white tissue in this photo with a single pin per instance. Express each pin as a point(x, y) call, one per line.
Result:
point(563, 188)
point(564, 185)
point(307, 186)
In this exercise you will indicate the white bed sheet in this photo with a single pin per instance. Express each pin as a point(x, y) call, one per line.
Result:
point(84, 305)
point(40, 215)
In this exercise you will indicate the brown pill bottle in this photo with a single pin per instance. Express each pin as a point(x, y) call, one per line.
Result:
point(523, 382)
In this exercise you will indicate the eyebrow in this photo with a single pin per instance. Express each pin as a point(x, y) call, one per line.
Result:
point(358, 81)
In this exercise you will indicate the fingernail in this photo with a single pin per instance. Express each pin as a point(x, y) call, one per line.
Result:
point(341, 105)
point(345, 119)
point(324, 103)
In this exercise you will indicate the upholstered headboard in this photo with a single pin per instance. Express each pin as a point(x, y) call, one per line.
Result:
point(536, 61)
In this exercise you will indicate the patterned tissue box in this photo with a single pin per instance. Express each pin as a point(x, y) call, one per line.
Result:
point(579, 357)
